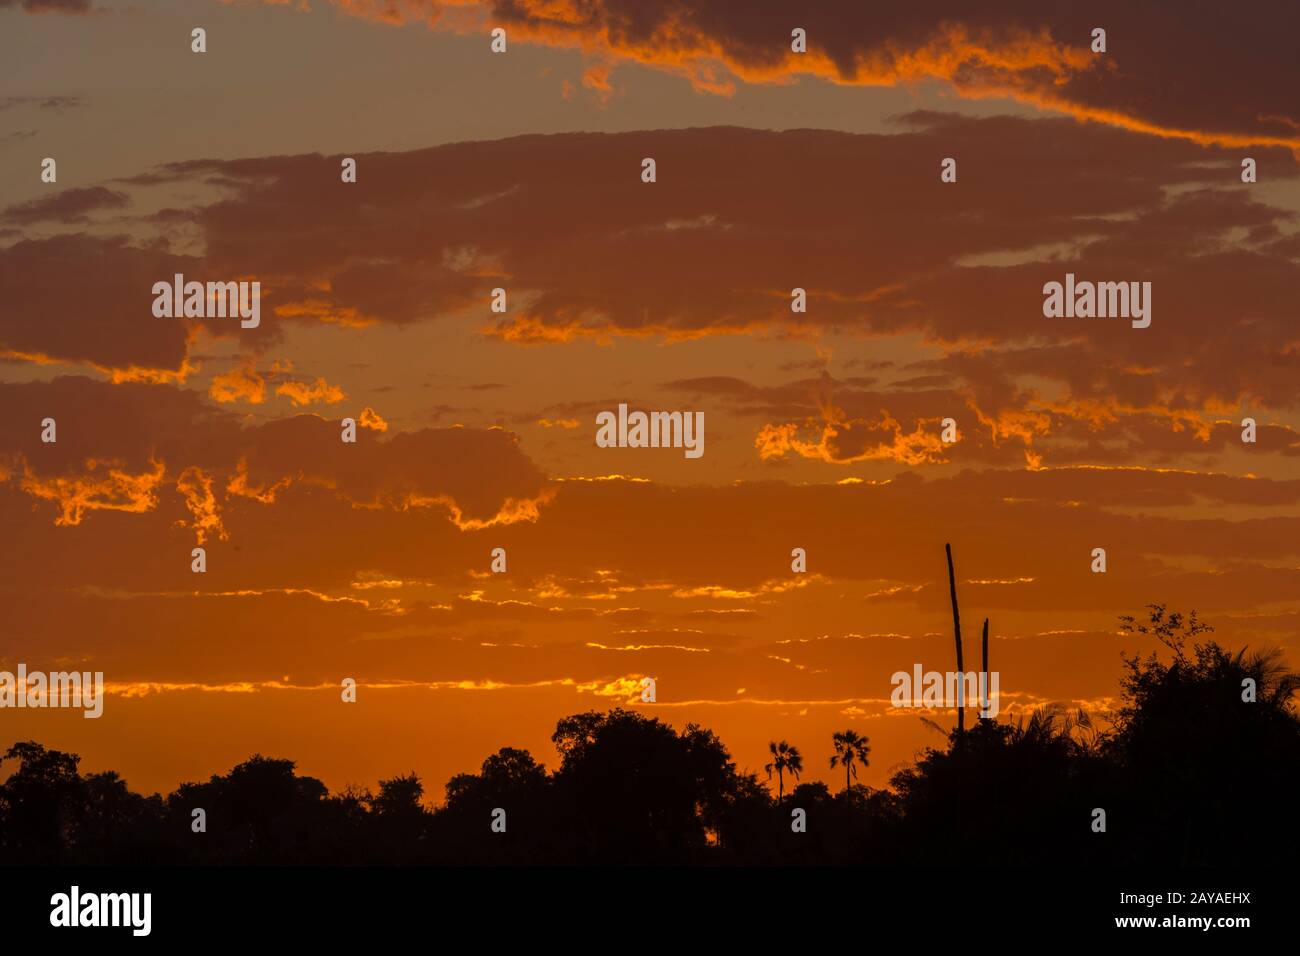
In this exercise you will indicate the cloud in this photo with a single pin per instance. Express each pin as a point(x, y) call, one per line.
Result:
point(196, 487)
point(70, 7)
point(99, 290)
point(839, 421)
point(102, 485)
point(67, 206)
point(843, 441)
point(371, 419)
point(1183, 72)
point(153, 466)
point(125, 447)
point(319, 392)
point(243, 383)
point(584, 248)
point(41, 102)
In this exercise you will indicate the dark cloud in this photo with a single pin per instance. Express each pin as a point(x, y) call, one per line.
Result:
point(135, 449)
point(71, 7)
point(41, 102)
point(1183, 69)
point(67, 206)
point(1186, 69)
point(737, 219)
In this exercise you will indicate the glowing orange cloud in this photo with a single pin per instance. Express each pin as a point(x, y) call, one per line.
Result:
point(1007, 58)
point(239, 383)
point(106, 486)
point(512, 511)
point(531, 330)
point(196, 487)
point(239, 485)
point(118, 376)
point(320, 392)
point(369, 418)
point(829, 440)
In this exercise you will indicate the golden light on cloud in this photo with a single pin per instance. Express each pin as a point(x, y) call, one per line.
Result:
point(105, 485)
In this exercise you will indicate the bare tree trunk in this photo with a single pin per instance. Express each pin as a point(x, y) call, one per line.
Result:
point(956, 630)
point(984, 666)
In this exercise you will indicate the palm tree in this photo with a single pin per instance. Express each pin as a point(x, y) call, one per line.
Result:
point(784, 757)
point(850, 748)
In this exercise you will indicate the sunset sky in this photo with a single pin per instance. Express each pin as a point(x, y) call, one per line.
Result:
point(522, 170)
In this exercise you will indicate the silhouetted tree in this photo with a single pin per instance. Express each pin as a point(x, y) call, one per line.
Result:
point(744, 823)
point(115, 825)
point(784, 757)
point(1054, 770)
point(261, 811)
point(400, 820)
point(40, 801)
point(851, 748)
point(510, 780)
point(1212, 772)
point(629, 786)
point(399, 797)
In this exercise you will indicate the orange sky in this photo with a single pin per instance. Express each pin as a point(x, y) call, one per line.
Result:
point(522, 171)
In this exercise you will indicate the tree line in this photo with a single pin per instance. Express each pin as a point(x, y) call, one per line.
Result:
point(1192, 769)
